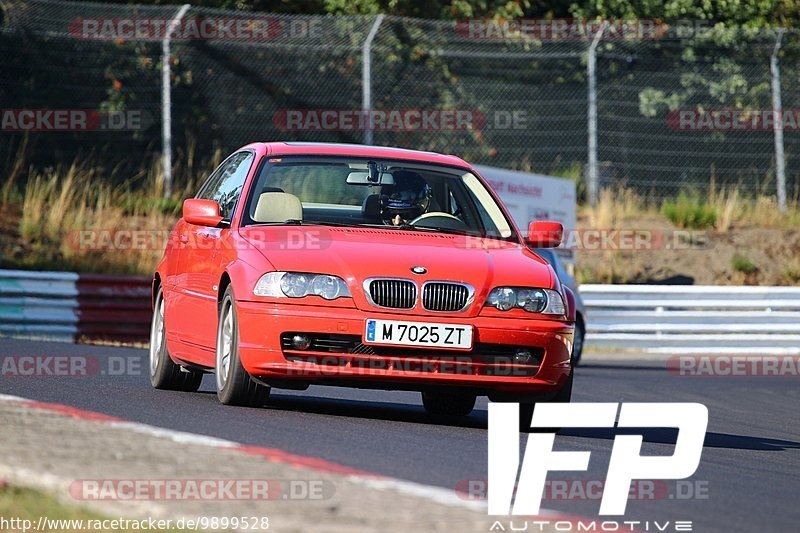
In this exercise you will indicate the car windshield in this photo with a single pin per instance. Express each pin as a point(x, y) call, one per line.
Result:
point(360, 192)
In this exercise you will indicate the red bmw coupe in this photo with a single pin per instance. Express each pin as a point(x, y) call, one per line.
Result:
point(358, 266)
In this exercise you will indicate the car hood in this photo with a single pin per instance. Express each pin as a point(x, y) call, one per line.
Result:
point(356, 254)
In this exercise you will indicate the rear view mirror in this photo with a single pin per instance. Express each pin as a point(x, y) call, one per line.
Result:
point(362, 177)
point(201, 212)
point(545, 234)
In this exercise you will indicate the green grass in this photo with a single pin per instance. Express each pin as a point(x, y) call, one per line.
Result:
point(792, 276)
point(743, 264)
point(690, 211)
point(29, 504)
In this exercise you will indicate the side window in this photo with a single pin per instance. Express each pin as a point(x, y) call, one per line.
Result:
point(226, 183)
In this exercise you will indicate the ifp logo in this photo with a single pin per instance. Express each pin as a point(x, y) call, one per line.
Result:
point(626, 464)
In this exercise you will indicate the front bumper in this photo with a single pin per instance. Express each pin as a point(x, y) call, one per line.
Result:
point(263, 356)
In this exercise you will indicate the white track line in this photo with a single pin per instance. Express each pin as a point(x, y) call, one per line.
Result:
point(439, 495)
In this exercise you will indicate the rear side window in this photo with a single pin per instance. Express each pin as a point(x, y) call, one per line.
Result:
point(226, 183)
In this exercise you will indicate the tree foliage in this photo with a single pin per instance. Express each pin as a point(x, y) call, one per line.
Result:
point(730, 13)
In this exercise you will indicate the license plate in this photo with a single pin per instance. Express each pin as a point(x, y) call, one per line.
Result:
point(402, 333)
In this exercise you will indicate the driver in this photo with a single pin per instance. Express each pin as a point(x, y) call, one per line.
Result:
point(406, 199)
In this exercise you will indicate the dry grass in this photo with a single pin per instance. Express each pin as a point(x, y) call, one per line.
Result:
point(45, 214)
point(614, 206)
point(725, 214)
point(15, 170)
point(71, 216)
point(614, 210)
point(791, 275)
point(51, 210)
point(732, 209)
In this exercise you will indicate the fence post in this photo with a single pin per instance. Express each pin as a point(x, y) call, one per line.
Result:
point(166, 102)
point(366, 77)
point(591, 75)
point(777, 124)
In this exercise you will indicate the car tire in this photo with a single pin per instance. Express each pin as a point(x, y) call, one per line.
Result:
point(564, 395)
point(234, 385)
point(448, 403)
point(577, 343)
point(164, 373)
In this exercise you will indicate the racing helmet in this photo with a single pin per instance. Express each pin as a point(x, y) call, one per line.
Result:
point(408, 197)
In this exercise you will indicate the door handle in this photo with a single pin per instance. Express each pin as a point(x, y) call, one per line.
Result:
point(184, 238)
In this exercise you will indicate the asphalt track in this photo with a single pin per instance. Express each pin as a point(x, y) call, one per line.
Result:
point(749, 474)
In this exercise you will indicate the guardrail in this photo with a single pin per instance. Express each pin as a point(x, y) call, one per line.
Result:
point(660, 318)
point(65, 306)
point(693, 318)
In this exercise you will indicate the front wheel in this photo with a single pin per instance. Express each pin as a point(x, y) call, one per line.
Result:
point(164, 373)
point(577, 343)
point(234, 385)
point(448, 403)
point(564, 395)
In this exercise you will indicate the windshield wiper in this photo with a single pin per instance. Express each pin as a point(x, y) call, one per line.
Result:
point(290, 222)
point(449, 231)
point(405, 227)
point(297, 222)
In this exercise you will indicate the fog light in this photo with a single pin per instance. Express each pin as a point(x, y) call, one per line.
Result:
point(301, 342)
point(523, 356)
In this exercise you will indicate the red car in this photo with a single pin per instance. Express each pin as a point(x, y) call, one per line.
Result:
point(358, 266)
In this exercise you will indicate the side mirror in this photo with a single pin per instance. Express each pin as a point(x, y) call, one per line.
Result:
point(201, 212)
point(544, 234)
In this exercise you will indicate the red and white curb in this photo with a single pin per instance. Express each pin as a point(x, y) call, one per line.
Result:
point(369, 480)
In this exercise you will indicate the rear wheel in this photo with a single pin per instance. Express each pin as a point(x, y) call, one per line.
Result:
point(234, 385)
point(448, 403)
point(164, 373)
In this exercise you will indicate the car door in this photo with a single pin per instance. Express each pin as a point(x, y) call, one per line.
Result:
point(197, 265)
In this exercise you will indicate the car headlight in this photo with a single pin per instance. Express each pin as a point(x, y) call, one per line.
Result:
point(298, 285)
point(544, 301)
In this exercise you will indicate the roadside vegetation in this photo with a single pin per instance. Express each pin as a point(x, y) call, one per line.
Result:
point(28, 504)
point(721, 237)
point(69, 218)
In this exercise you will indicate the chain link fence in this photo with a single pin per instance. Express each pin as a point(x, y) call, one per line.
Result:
point(673, 112)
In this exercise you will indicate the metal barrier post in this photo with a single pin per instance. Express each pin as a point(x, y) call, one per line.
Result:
point(591, 75)
point(777, 124)
point(366, 78)
point(166, 102)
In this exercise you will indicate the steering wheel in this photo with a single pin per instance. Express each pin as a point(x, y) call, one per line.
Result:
point(439, 219)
